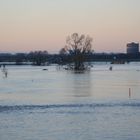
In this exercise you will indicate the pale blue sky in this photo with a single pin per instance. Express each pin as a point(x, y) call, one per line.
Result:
point(44, 24)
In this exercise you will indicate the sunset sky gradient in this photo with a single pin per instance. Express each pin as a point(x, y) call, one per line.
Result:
point(27, 25)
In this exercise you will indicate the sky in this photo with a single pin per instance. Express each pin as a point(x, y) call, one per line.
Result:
point(29, 25)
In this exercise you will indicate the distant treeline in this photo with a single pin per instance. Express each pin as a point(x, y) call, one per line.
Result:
point(43, 58)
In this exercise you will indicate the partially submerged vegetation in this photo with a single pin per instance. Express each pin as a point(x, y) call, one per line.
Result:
point(77, 48)
point(63, 59)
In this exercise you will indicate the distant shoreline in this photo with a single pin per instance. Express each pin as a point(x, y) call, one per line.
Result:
point(43, 58)
point(97, 61)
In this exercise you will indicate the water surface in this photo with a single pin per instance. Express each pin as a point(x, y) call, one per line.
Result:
point(63, 105)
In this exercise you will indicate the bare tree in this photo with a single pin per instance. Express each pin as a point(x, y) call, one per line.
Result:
point(62, 51)
point(38, 57)
point(78, 46)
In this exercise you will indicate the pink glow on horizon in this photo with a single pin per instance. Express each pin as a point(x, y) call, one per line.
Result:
point(44, 25)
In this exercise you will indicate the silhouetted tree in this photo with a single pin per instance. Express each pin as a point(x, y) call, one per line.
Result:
point(78, 47)
point(20, 58)
point(62, 51)
point(38, 57)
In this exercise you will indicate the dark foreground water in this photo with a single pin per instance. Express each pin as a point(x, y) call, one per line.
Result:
point(62, 105)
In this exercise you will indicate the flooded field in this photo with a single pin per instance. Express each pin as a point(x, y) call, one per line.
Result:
point(56, 104)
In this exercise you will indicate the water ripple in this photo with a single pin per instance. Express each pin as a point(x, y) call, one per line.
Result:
point(63, 106)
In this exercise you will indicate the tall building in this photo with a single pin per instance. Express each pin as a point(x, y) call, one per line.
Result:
point(132, 48)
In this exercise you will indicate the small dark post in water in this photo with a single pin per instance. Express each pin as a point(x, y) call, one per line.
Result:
point(110, 68)
point(6, 74)
point(129, 92)
point(5, 71)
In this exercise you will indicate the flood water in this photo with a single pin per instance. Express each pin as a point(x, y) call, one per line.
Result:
point(57, 104)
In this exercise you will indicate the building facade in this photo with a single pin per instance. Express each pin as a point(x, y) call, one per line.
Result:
point(132, 48)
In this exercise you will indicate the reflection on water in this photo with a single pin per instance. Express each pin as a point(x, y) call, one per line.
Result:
point(80, 84)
